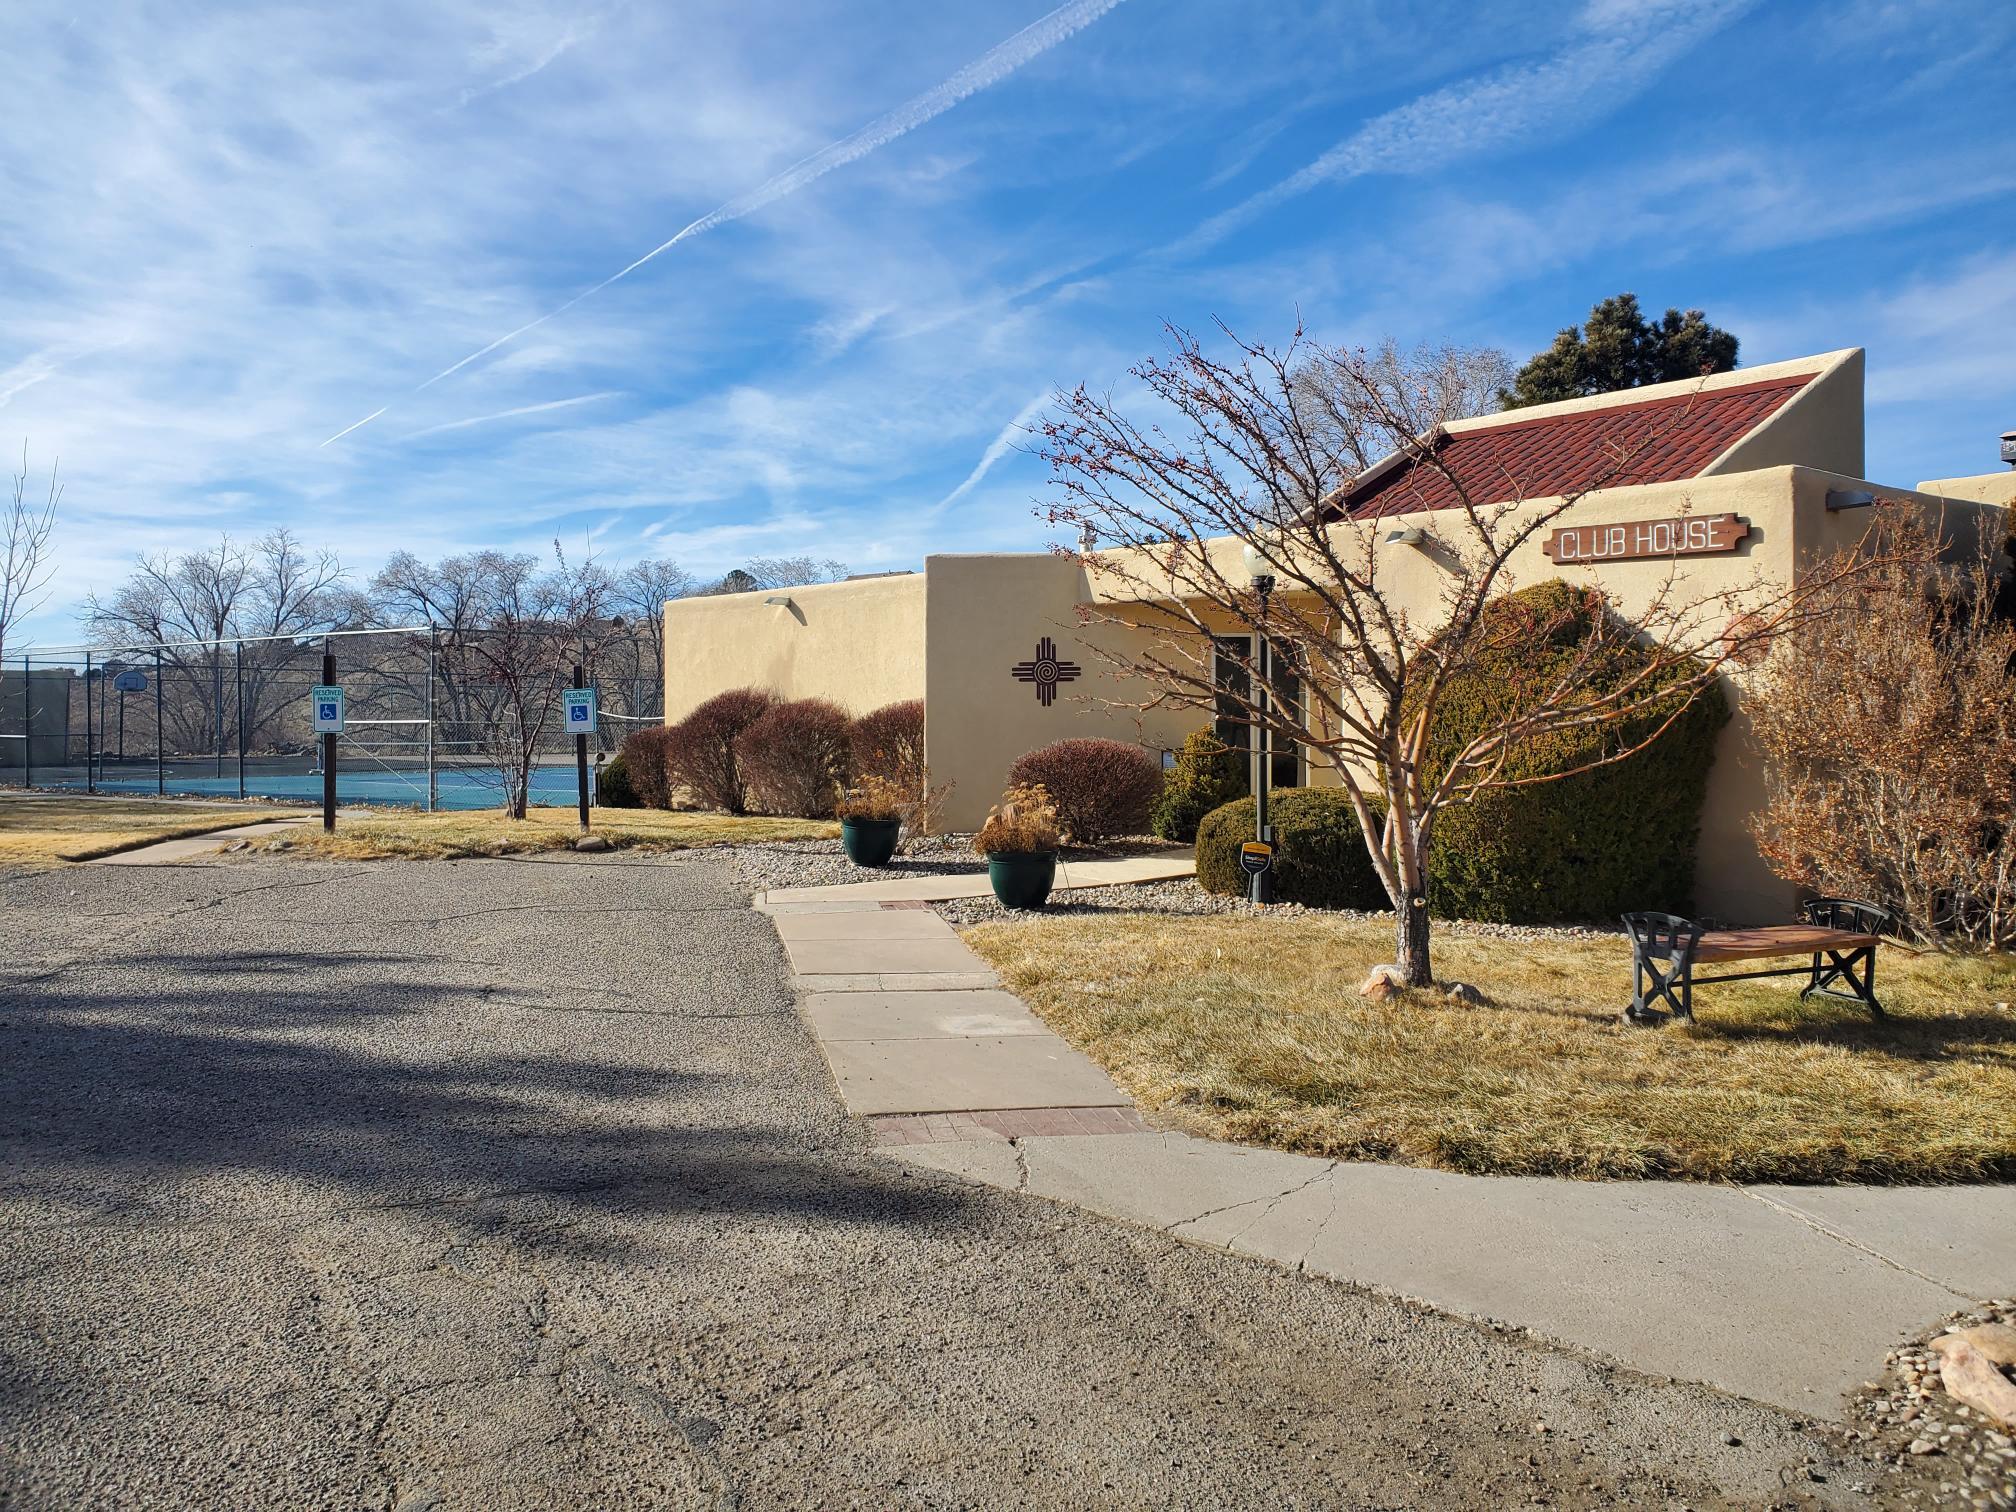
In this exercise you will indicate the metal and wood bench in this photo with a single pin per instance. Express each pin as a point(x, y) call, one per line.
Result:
point(1839, 937)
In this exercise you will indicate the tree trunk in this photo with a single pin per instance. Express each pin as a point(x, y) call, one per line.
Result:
point(1410, 951)
point(1410, 908)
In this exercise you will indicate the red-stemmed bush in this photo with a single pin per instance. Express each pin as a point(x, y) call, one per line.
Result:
point(1100, 788)
point(643, 761)
point(700, 754)
point(796, 757)
point(889, 743)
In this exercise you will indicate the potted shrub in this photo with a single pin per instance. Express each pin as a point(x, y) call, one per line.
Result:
point(871, 816)
point(1019, 841)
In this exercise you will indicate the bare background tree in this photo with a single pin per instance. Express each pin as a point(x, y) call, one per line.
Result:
point(1906, 792)
point(25, 565)
point(777, 572)
point(1452, 382)
point(1252, 447)
point(527, 628)
point(640, 594)
point(273, 588)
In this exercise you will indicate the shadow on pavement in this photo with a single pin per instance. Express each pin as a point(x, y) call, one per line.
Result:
point(273, 1098)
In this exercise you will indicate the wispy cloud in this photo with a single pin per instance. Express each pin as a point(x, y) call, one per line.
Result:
point(38, 367)
point(543, 56)
point(996, 64)
point(1621, 47)
point(510, 414)
point(998, 448)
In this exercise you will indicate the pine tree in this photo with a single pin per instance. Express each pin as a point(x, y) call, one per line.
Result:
point(1618, 348)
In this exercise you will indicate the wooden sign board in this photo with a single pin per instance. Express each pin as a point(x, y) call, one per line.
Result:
point(1631, 540)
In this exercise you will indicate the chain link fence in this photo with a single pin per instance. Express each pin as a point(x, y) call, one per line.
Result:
point(232, 718)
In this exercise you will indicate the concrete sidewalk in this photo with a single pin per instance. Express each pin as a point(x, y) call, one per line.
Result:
point(189, 847)
point(1788, 1295)
point(946, 1040)
point(1158, 867)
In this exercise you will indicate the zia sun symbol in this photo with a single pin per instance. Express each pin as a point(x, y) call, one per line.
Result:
point(1046, 671)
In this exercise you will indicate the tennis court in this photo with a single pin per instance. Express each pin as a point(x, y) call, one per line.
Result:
point(425, 723)
point(454, 787)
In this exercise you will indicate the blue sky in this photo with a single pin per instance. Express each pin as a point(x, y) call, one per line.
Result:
point(229, 232)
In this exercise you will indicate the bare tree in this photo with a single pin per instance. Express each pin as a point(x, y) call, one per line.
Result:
point(515, 634)
point(1258, 446)
point(795, 572)
point(1451, 382)
point(641, 593)
point(24, 557)
point(1906, 792)
point(273, 588)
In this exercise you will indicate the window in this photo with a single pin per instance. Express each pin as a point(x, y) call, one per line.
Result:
point(1285, 756)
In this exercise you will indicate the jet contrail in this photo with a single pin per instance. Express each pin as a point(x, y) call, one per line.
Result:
point(349, 428)
point(996, 450)
point(509, 414)
point(990, 68)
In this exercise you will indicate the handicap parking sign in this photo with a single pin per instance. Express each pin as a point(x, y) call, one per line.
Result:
point(580, 706)
point(328, 710)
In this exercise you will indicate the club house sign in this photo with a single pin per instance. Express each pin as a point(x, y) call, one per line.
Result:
point(1688, 535)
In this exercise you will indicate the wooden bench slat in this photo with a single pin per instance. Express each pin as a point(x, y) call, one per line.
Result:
point(1778, 940)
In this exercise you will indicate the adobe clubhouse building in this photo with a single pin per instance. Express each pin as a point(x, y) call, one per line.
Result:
point(1755, 472)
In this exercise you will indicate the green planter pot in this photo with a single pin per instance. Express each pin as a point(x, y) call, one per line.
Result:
point(869, 842)
point(1022, 878)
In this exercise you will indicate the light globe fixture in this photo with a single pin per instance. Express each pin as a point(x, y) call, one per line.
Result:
point(1258, 567)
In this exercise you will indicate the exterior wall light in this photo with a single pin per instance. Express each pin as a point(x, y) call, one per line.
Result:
point(1411, 535)
point(1849, 498)
point(781, 598)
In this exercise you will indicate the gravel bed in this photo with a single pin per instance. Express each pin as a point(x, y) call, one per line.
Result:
point(1182, 896)
point(1911, 1417)
point(821, 863)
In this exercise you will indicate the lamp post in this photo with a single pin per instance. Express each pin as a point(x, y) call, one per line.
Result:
point(1260, 858)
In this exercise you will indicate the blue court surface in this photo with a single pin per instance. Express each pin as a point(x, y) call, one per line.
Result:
point(454, 788)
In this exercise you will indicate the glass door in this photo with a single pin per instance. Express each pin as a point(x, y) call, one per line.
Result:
point(1284, 766)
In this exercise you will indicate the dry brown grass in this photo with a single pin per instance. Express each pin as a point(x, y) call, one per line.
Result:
point(487, 832)
point(43, 829)
point(1253, 1030)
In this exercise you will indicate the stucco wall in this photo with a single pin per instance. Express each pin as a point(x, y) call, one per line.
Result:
point(985, 614)
point(1986, 488)
point(860, 644)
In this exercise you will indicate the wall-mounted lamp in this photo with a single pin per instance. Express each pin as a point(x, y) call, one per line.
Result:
point(781, 598)
point(1849, 498)
point(1412, 535)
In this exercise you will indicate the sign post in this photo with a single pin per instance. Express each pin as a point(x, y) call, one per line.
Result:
point(579, 703)
point(328, 700)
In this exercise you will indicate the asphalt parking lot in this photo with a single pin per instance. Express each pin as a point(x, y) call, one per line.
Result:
point(520, 1183)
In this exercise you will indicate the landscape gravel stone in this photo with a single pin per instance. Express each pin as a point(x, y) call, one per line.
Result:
point(820, 863)
point(1909, 1417)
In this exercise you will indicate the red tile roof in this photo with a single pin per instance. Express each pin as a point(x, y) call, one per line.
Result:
point(1664, 440)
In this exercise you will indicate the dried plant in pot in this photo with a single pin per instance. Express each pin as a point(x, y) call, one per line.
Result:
point(1020, 840)
point(871, 819)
